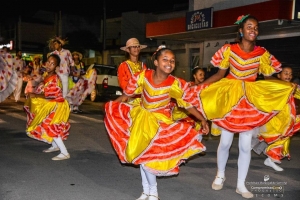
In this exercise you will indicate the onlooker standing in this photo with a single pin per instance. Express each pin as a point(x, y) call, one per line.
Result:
point(19, 65)
point(63, 70)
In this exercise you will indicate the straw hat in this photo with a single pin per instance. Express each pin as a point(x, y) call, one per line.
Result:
point(56, 39)
point(37, 56)
point(131, 43)
point(79, 54)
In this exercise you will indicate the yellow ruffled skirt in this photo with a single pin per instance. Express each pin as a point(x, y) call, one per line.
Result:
point(239, 106)
point(47, 119)
point(150, 138)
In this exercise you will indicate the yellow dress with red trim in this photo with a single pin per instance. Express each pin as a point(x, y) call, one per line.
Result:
point(181, 114)
point(278, 131)
point(144, 132)
point(128, 68)
point(47, 118)
point(238, 103)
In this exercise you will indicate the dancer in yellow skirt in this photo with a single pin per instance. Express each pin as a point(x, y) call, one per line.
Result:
point(277, 142)
point(144, 134)
point(48, 112)
point(238, 103)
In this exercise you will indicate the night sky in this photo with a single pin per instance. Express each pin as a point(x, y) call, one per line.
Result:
point(114, 8)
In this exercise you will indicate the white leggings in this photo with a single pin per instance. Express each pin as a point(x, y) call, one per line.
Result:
point(244, 152)
point(149, 182)
point(58, 142)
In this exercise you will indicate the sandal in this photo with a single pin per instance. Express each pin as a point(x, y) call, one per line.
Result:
point(51, 149)
point(153, 197)
point(246, 195)
point(61, 156)
point(143, 196)
point(218, 186)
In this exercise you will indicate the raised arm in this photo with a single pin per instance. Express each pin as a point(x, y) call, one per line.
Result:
point(216, 77)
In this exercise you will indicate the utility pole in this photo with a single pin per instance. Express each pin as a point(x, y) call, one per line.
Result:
point(19, 34)
point(104, 25)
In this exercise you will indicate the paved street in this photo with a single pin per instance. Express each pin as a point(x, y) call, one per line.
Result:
point(95, 173)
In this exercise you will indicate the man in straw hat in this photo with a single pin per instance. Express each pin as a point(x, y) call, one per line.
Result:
point(56, 44)
point(132, 64)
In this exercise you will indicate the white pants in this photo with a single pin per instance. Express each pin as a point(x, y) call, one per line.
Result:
point(64, 78)
point(18, 90)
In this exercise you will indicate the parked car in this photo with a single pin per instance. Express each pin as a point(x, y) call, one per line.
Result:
point(107, 85)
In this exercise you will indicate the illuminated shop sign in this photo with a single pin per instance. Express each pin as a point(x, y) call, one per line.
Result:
point(199, 19)
point(8, 45)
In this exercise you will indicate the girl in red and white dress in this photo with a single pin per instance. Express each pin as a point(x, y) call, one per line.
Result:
point(276, 146)
point(48, 112)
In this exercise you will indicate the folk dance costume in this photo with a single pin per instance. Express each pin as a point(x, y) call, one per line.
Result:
point(238, 103)
point(127, 69)
point(84, 86)
point(33, 79)
point(145, 134)
point(278, 131)
point(8, 79)
point(180, 114)
point(47, 119)
point(19, 66)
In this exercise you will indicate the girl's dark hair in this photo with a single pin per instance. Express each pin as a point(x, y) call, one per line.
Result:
point(284, 67)
point(196, 69)
point(158, 53)
point(241, 26)
point(56, 57)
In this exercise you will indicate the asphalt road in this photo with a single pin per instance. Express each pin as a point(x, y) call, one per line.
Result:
point(94, 172)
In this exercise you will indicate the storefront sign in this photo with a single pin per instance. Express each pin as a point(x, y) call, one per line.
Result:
point(199, 19)
point(8, 45)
